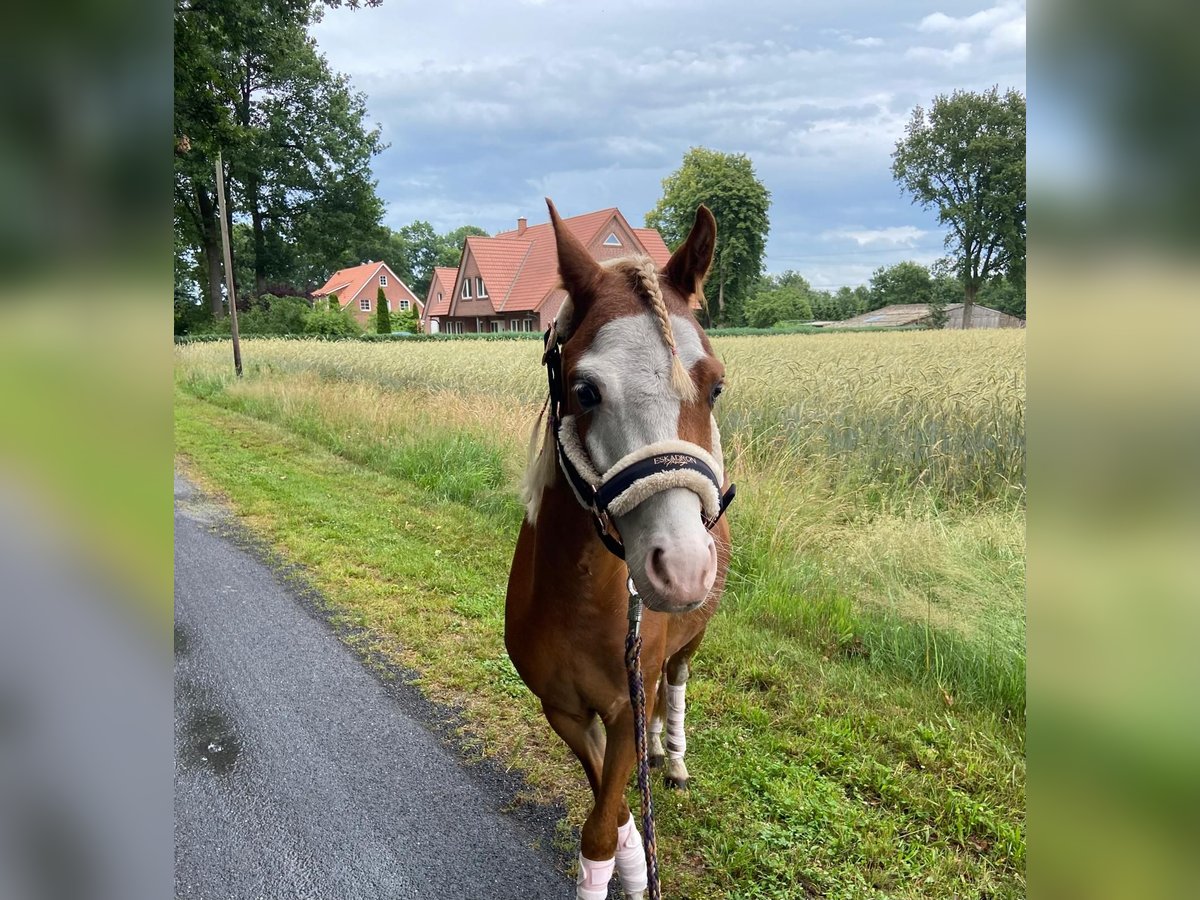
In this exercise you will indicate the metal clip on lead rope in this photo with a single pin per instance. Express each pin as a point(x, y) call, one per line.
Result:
point(635, 609)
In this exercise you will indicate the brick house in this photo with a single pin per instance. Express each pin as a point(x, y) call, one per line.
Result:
point(358, 286)
point(437, 301)
point(509, 282)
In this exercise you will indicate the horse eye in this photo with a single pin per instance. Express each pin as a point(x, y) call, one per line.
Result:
point(587, 395)
point(716, 392)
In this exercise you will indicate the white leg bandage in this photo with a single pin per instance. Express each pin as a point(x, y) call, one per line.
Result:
point(676, 739)
point(631, 859)
point(592, 881)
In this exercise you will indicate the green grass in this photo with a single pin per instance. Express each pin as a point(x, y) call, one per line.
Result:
point(936, 599)
point(839, 749)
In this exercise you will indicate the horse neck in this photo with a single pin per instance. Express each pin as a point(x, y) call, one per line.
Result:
point(565, 543)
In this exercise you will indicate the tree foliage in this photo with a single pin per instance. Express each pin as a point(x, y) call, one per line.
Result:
point(727, 185)
point(383, 315)
point(779, 298)
point(904, 282)
point(331, 323)
point(406, 320)
point(414, 249)
point(965, 157)
point(250, 84)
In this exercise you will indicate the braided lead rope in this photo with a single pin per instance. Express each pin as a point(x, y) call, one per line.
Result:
point(637, 698)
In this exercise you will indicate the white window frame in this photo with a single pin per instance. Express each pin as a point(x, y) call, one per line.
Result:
point(403, 306)
point(480, 287)
point(520, 324)
point(383, 281)
point(497, 326)
point(612, 240)
point(364, 304)
point(466, 289)
point(439, 299)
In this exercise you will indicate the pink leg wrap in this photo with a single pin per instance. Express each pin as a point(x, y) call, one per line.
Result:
point(631, 859)
point(593, 878)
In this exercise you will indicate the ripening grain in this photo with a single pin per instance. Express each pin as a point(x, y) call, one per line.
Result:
point(942, 412)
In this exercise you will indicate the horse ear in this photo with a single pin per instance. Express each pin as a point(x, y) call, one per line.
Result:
point(579, 271)
point(689, 264)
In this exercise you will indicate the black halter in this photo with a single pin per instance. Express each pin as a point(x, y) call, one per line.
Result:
point(596, 499)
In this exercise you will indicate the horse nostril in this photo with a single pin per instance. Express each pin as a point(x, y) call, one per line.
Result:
point(656, 568)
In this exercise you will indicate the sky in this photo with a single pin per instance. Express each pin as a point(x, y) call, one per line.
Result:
point(488, 107)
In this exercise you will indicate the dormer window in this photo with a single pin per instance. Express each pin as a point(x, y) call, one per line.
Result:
point(466, 289)
point(383, 281)
point(612, 240)
point(480, 290)
point(439, 296)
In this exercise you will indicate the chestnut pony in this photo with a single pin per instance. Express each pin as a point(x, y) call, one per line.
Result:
point(637, 372)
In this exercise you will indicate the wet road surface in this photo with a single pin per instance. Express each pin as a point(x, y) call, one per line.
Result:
point(298, 773)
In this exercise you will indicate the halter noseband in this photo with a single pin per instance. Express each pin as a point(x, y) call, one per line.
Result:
point(634, 478)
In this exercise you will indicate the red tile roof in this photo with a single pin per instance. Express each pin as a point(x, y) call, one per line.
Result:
point(442, 281)
point(348, 283)
point(535, 281)
point(500, 261)
point(520, 269)
point(656, 247)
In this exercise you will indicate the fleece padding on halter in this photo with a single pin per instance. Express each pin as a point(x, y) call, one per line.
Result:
point(668, 464)
point(664, 465)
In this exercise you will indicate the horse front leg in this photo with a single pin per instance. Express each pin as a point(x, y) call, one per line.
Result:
point(654, 731)
point(674, 707)
point(610, 836)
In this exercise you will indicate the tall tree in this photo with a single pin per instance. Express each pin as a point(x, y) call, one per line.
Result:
point(383, 313)
point(780, 298)
point(966, 158)
point(250, 84)
point(727, 185)
point(904, 282)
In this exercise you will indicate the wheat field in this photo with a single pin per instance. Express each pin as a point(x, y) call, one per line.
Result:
point(942, 411)
point(877, 473)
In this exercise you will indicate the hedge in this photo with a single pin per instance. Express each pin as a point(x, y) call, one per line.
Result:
point(519, 335)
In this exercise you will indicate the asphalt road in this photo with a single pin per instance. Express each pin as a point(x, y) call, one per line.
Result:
point(301, 774)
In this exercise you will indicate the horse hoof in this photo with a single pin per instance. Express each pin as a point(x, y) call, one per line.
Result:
point(656, 762)
point(640, 895)
point(676, 784)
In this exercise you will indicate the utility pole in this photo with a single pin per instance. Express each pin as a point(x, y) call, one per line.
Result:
point(224, 215)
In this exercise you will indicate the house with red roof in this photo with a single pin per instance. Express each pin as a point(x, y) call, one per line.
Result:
point(358, 287)
point(510, 282)
point(437, 300)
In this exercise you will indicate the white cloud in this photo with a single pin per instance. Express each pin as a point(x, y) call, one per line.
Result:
point(562, 99)
point(983, 21)
point(896, 236)
point(1008, 36)
point(1001, 29)
point(955, 56)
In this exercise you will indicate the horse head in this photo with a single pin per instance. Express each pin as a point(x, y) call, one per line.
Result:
point(640, 381)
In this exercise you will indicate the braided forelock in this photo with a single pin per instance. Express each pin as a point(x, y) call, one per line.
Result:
point(644, 274)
